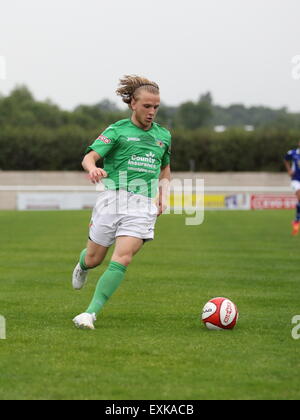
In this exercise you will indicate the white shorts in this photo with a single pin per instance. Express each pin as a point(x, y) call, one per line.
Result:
point(296, 185)
point(120, 213)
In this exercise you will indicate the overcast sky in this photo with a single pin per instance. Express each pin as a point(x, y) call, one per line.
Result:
point(75, 51)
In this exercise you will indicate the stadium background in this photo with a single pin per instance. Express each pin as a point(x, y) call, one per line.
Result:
point(238, 151)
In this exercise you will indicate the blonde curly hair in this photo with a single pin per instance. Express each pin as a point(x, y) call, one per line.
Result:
point(130, 87)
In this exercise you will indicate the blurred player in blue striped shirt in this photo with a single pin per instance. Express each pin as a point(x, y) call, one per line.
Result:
point(292, 164)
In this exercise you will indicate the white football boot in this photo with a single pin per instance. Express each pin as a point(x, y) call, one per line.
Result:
point(79, 278)
point(85, 321)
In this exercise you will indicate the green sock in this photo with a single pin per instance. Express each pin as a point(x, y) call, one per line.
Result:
point(107, 285)
point(82, 260)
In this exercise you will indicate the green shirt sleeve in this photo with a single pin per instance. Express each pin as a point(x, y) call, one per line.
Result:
point(166, 159)
point(105, 143)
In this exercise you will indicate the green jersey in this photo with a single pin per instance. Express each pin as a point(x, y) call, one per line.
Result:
point(133, 157)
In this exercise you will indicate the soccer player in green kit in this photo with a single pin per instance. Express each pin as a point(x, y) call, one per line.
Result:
point(136, 174)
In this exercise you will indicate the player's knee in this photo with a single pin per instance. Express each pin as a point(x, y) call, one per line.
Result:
point(93, 260)
point(125, 259)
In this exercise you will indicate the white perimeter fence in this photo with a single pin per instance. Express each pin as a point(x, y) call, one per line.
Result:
point(47, 197)
point(70, 190)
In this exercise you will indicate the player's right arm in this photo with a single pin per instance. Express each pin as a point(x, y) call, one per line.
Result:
point(101, 147)
point(89, 165)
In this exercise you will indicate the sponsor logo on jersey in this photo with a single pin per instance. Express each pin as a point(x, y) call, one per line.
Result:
point(143, 163)
point(149, 158)
point(104, 139)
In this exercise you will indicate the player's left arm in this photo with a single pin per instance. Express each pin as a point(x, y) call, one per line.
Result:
point(288, 166)
point(164, 189)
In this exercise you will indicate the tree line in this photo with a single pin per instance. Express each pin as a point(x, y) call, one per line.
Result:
point(37, 135)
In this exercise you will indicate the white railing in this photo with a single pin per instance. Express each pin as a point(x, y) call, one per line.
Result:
point(72, 188)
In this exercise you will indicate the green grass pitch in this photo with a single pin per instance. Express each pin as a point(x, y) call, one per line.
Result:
point(149, 342)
